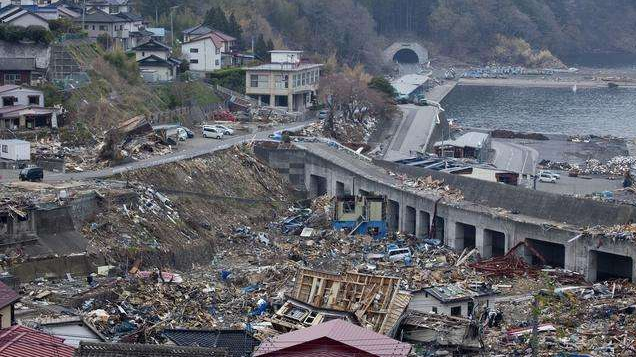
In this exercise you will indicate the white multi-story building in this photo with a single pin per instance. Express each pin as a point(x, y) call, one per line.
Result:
point(209, 52)
point(287, 82)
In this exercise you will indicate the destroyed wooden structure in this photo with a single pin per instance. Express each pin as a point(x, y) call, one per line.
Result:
point(376, 301)
point(441, 331)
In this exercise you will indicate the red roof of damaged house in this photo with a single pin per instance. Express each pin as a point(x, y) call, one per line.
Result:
point(7, 295)
point(334, 338)
point(21, 341)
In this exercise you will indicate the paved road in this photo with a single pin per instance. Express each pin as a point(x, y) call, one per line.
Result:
point(514, 157)
point(193, 148)
point(416, 126)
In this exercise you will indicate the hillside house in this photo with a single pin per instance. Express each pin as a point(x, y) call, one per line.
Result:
point(18, 16)
point(118, 27)
point(209, 52)
point(194, 32)
point(155, 62)
point(23, 108)
point(287, 82)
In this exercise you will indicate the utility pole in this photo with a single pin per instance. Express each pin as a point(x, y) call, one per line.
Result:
point(84, 16)
point(172, 23)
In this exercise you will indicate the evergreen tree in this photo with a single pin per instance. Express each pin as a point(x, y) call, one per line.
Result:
point(261, 48)
point(234, 29)
point(215, 18)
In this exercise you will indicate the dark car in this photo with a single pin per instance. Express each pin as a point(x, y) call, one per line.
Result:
point(32, 174)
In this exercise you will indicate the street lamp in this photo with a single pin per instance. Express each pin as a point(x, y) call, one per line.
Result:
point(172, 22)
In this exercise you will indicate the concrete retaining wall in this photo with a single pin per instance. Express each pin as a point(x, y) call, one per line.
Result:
point(540, 204)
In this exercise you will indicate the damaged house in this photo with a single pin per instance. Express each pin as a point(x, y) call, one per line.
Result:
point(23, 108)
point(452, 300)
point(376, 301)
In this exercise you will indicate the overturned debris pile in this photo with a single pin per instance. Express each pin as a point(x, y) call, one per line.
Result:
point(428, 184)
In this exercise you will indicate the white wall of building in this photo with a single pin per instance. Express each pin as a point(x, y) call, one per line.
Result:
point(285, 56)
point(23, 95)
point(153, 74)
point(16, 150)
point(202, 55)
point(422, 303)
point(139, 55)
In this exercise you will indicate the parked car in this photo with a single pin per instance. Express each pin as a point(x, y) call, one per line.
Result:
point(32, 174)
point(323, 114)
point(224, 129)
point(544, 177)
point(182, 134)
point(551, 173)
point(212, 132)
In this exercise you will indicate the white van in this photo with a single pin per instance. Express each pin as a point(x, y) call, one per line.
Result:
point(212, 132)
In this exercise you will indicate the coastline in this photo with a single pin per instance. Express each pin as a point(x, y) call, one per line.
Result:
point(539, 83)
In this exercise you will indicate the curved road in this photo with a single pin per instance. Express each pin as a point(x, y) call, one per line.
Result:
point(193, 148)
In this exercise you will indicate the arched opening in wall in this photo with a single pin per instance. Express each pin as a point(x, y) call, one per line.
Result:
point(406, 55)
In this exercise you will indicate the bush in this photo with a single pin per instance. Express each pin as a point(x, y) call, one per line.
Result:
point(52, 94)
point(63, 26)
point(232, 78)
point(33, 33)
point(126, 66)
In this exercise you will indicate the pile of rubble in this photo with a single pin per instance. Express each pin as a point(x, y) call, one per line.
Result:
point(595, 320)
point(428, 184)
point(616, 166)
point(617, 232)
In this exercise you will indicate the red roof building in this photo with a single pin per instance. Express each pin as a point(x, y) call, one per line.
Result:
point(21, 341)
point(336, 338)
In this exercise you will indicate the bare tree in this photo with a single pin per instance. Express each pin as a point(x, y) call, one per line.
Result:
point(348, 98)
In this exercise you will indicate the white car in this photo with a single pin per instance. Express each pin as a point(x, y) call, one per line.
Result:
point(212, 132)
point(225, 130)
point(550, 173)
point(544, 177)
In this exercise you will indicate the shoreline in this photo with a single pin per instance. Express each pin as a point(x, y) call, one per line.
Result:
point(538, 83)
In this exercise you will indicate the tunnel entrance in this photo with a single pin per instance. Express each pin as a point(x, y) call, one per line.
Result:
point(317, 185)
point(423, 224)
point(340, 188)
point(393, 215)
point(553, 253)
point(494, 243)
point(406, 55)
point(409, 220)
point(438, 229)
point(607, 266)
point(465, 236)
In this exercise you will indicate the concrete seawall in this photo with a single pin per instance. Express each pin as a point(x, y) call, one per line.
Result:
point(465, 224)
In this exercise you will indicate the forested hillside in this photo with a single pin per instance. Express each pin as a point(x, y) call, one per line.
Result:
point(356, 30)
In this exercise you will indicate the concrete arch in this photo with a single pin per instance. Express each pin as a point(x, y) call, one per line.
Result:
point(420, 51)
